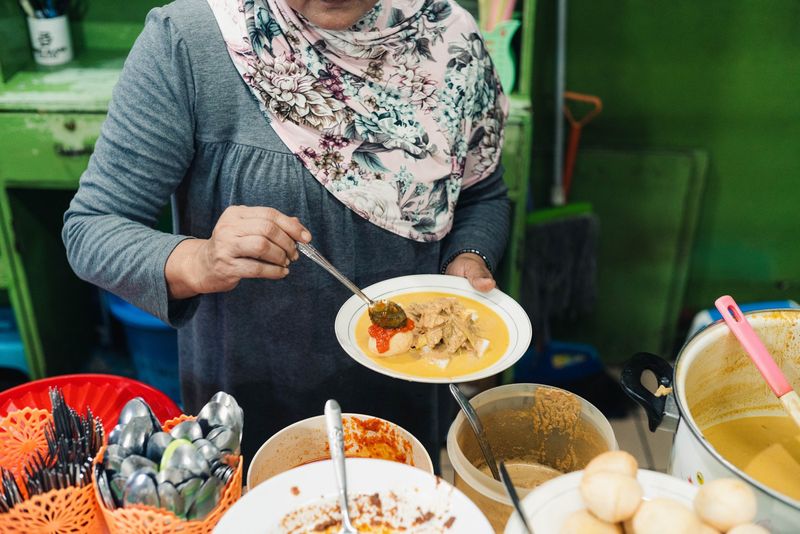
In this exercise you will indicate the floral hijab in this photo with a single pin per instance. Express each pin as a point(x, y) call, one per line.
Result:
point(393, 116)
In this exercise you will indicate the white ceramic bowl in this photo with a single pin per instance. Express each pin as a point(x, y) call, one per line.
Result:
point(509, 311)
point(307, 440)
point(548, 506)
point(300, 499)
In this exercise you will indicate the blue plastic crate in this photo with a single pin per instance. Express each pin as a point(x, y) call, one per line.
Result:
point(12, 351)
point(152, 344)
point(711, 315)
point(559, 362)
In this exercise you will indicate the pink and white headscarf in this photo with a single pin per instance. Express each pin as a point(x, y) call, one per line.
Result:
point(394, 116)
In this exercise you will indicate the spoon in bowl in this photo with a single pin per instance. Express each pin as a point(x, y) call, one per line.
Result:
point(754, 348)
point(384, 313)
point(512, 494)
point(333, 420)
point(477, 427)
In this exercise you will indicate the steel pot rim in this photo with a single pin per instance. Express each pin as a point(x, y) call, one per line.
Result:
point(719, 328)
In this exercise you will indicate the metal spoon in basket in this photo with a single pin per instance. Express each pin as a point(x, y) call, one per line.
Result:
point(384, 313)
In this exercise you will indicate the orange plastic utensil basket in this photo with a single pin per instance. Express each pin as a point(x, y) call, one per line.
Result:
point(21, 435)
point(159, 521)
point(69, 510)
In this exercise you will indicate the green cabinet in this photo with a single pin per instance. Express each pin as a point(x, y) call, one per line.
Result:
point(46, 149)
point(49, 122)
point(41, 158)
point(518, 151)
point(517, 162)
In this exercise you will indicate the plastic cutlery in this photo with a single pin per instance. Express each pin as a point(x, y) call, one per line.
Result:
point(754, 348)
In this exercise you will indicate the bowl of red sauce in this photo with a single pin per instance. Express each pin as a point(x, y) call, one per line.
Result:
point(306, 441)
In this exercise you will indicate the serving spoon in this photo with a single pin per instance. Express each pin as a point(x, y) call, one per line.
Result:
point(477, 427)
point(384, 313)
point(512, 494)
point(333, 420)
point(758, 353)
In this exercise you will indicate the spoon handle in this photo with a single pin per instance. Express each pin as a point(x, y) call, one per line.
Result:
point(314, 255)
point(477, 427)
point(755, 348)
point(333, 420)
point(512, 494)
point(752, 345)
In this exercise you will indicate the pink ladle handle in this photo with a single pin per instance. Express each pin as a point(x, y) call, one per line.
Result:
point(752, 345)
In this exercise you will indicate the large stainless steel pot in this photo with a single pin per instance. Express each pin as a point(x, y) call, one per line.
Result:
point(714, 381)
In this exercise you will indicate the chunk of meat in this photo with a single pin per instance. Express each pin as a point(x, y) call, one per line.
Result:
point(445, 328)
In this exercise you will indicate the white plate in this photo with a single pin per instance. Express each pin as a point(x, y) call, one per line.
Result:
point(416, 492)
point(549, 505)
point(512, 314)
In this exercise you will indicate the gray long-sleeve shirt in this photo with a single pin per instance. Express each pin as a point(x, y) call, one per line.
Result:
point(182, 122)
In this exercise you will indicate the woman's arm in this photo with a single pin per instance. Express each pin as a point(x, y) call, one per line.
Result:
point(247, 242)
point(475, 245)
point(145, 148)
point(144, 151)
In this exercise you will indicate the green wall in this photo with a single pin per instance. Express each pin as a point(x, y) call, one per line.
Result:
point(720, 75)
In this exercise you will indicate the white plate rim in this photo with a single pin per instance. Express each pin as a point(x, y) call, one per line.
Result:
point(543, 497)
point(382, 474)
point(517, 321)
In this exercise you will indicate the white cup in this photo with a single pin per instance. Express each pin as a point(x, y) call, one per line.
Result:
point(50, 40)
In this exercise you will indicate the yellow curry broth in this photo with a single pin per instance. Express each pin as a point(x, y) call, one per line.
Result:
point(491, 327)
point(765, 447)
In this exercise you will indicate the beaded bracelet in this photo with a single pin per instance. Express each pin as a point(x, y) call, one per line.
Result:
point(465, 251)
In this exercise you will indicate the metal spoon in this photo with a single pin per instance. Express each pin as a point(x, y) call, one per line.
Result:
point(512, 494)
point(140, 489)
point(103, 487)
point(333, 420)
point(215, 414)
point(187, 457)
point(137, 407)
point(477, 427)
point(384, 313)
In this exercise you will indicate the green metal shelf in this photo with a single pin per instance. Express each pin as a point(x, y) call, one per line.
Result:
point(84, 85)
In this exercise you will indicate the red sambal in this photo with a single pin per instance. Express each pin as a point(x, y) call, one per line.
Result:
point(383, 336)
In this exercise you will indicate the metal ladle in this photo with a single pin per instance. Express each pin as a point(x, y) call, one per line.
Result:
point(333, 420)
point(384, 313)
point(512, 494)
point(477, 427)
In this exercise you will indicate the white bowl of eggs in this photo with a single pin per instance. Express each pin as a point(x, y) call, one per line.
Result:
point(613, 496)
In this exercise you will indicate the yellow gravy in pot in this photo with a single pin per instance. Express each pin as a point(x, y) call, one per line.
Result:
point(765, 447)
point(490, 324)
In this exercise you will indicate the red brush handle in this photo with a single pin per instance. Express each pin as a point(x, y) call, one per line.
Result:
point(572, 154)
point(576, 125)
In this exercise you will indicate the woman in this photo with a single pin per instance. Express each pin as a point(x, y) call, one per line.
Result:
point(376, 128)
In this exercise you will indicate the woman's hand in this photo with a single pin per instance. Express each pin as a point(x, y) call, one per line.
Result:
point(473, 268)
point(247, 242)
